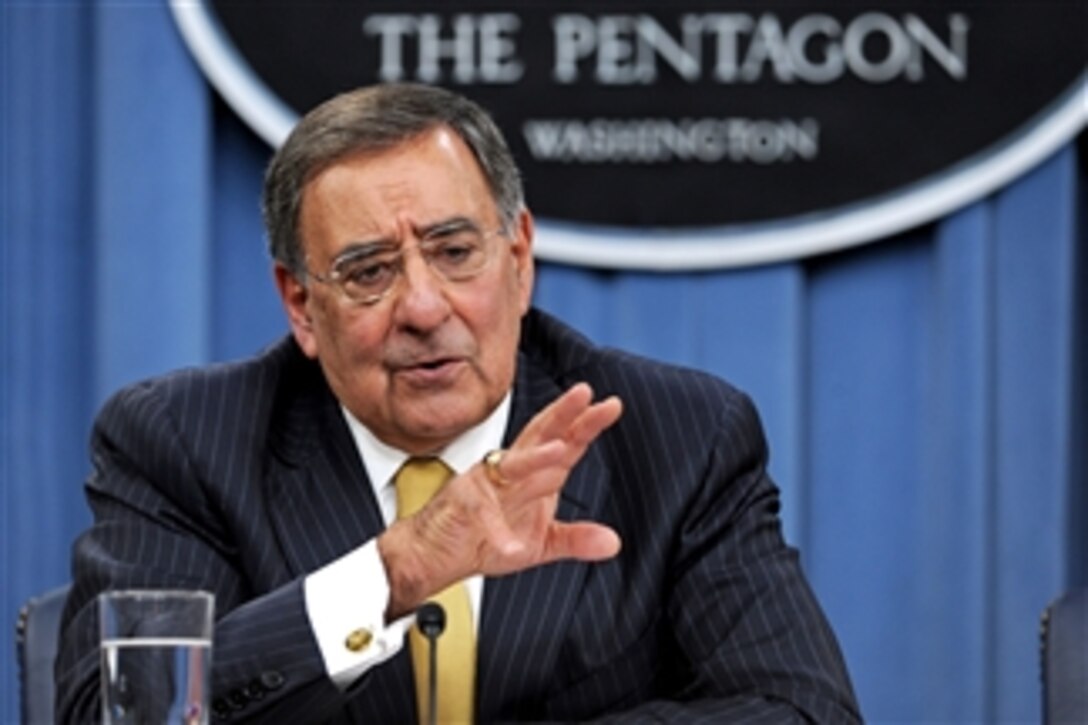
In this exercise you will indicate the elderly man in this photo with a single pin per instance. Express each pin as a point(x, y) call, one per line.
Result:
point(598, 529)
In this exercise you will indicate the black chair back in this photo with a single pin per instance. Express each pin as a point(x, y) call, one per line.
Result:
point(1064, 634)
point(36, 634)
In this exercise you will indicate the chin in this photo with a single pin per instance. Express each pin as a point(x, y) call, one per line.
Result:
point(440, 426)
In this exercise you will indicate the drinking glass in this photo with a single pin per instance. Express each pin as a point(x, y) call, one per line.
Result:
point(156, 656)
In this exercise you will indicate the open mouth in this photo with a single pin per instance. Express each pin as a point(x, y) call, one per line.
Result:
point(438, 371)
point(434, 364)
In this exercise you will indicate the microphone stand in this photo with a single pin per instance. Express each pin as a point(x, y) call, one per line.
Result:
point(431, 620)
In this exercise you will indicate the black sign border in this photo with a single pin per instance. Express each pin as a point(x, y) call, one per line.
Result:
point(713, 247)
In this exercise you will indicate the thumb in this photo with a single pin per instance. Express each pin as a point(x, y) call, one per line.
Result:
point(582, 540)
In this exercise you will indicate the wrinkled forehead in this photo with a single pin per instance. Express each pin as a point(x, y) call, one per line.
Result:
point(423, 145)
point(428, 179)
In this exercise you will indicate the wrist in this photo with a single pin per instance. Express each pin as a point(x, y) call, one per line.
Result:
point(407, 578)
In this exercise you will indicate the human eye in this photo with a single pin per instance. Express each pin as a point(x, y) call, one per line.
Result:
point(367, 274)
point(457, 251)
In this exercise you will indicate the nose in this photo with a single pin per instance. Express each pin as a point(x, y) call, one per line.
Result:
point(421, 304)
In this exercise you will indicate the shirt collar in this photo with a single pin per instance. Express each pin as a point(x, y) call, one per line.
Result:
point(382, 461)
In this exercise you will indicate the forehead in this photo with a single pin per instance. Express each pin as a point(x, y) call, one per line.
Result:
point(386, 194)
point(428, 167)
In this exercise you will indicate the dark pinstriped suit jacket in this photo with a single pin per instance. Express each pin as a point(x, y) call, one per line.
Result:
point(242, 478)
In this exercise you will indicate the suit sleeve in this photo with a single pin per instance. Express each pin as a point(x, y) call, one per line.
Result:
point(755, 644)
point(156, 525)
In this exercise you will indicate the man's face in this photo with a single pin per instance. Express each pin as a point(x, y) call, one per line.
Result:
point(433, 357)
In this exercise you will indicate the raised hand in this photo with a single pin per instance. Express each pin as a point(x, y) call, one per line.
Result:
point(477, 525)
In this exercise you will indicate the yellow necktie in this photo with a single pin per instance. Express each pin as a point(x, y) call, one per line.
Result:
point(417, 481)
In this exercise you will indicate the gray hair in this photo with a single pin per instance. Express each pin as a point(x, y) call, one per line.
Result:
point(378, 118)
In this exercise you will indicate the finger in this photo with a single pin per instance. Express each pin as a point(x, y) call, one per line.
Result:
point(581, 540)
point(554, 420)
point(587, 427)
point(532, 472)
point(529, 472)
point(593, 421)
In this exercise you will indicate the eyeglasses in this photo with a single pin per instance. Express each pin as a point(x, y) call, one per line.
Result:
point(366, 274)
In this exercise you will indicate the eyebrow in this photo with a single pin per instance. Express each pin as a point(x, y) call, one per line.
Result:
point(452, 224)
point(377, 246)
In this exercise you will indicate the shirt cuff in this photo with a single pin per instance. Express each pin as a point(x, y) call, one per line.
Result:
point(346, 601)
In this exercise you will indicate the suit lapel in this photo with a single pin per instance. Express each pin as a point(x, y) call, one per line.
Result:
point(320, 500)
point(525, 615)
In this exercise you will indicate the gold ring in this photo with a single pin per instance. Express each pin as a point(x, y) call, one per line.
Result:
point(491, 462)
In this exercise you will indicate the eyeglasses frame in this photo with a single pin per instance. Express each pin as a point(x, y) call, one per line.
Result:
point(332, 278)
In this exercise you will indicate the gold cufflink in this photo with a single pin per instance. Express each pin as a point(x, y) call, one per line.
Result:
point(358, 640)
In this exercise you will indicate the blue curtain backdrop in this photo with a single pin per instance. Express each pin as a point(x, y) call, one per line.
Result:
point(924, 396)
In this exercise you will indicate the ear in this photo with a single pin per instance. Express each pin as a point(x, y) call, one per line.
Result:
point(296, 298)
point(523, 259)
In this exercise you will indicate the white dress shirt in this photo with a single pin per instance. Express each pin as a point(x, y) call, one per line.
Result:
point(352, 592)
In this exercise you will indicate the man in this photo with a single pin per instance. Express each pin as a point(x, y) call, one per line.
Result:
point(606, 539)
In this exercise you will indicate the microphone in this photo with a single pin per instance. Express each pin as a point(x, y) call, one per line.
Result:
point(431, 620)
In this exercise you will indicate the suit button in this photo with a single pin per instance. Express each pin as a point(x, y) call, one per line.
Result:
point(220, 709)
point(272, 680)
point(237, 700)
point(254, 690)
point(358, 640)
